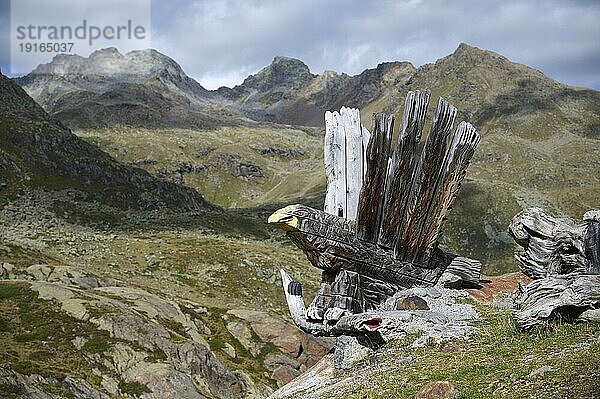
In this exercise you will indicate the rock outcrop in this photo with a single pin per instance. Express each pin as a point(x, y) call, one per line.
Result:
point(144, 341)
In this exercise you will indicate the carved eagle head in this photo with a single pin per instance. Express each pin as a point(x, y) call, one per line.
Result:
point(316, 233)
point(303, 219)
point(288, 218)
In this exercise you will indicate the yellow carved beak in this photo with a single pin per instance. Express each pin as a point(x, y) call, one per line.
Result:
point(284, 220)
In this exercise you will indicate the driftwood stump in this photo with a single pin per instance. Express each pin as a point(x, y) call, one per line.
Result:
point(562, 257)
point(383, 216)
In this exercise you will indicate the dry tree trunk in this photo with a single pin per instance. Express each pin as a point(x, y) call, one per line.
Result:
point(561, 256)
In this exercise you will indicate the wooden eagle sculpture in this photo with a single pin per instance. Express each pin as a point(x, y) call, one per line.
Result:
point(383, 216)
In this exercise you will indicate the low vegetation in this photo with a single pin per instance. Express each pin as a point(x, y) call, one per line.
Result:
point(36, 337)
point(556, 361)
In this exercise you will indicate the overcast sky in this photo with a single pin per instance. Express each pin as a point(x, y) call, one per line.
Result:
point(220, 42)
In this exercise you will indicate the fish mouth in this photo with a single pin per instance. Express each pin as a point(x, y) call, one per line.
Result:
point(372, 324)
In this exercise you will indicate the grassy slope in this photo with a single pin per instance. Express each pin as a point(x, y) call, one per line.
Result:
point(285, 178)
point(36, 339)
point(498, 362)
point(189, 266)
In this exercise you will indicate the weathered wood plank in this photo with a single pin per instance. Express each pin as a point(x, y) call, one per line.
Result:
point(455, 167)
point(402, 166)
point(426, 181)
point(344, 156)
point(366, 137)
point(371, 198)
point(592, 240)
point(350, 122)
point(295, 301)
point(335, 165)
point(467, 271)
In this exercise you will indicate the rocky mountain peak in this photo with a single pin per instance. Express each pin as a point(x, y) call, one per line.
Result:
point(390, 72)
point(132, 67)
point(471, 55)
point(280, 60)
point(107, 70)
point(111, 52)
point(283, 72)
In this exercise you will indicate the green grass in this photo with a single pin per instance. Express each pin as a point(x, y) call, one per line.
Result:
point(11, 391)
point(134, 388)
point(10, 291)
point(98, 343)
point(37, 338)
point(497, 362)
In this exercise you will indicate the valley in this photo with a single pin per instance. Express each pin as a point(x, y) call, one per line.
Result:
point(133, 205)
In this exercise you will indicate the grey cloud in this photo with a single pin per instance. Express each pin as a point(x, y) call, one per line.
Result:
point(218, 42)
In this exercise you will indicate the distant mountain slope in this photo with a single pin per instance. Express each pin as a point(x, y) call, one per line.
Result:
point(540, 138)
point(491, 90)
point(106, 69)
point(148, 89)
point(141, 88)
point(286, 91)
point(38, 152)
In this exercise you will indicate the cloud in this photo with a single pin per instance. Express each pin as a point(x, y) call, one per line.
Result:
point(31, 27)
point(219, 41)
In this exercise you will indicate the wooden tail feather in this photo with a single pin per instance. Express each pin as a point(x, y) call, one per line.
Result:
point(402, 167)
point(404, 197)
point(455, 167)
point(426, 181)
point(371, 199)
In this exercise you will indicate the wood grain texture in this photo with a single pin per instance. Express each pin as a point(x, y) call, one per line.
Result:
point(344, 157)
point(555, 245)
point(350, 121)
point(560, 254)
point(592, 240)
point(331, 243)
point(564, 296)
point(401, 168)
point(426, 182)
point(467, 270)
point(335, 165)
point(295, 301)
point(366, 137)
point(370, 205)
point(453, 171)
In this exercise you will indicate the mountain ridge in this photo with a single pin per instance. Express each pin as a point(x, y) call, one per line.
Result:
point(41, 151)
point(534, 130)
point(285, 91)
